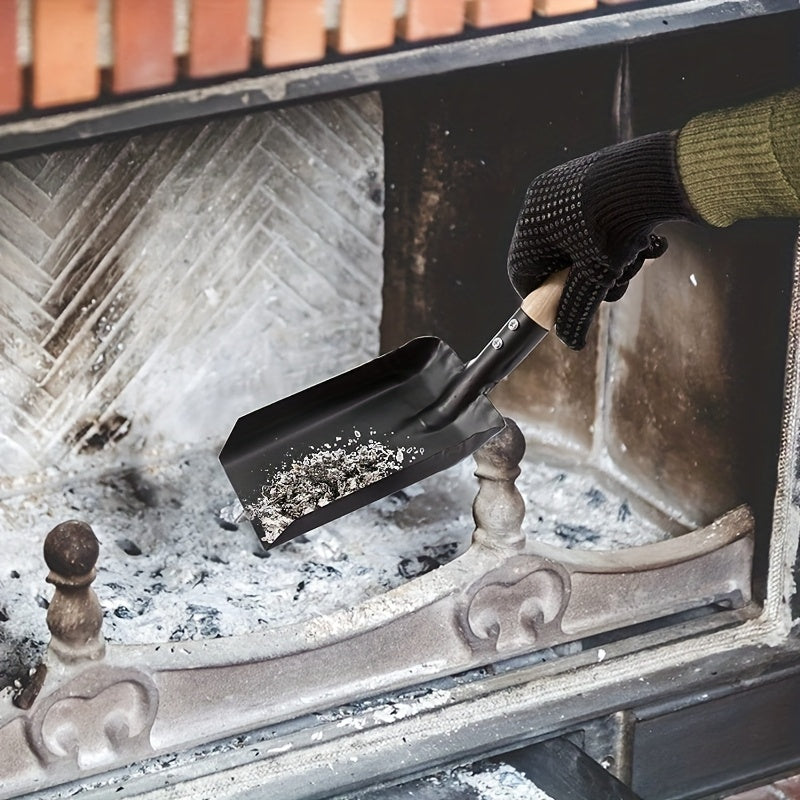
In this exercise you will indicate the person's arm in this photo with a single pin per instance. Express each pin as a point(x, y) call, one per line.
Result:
point(596, 214)
point(743, 163)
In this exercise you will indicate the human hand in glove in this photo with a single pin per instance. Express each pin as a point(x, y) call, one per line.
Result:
point(595, 215)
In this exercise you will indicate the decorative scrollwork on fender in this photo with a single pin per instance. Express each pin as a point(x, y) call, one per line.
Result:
point(512, 607)
point(102, 715)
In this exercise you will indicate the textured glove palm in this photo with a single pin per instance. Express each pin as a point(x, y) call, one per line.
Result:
point(595, 215)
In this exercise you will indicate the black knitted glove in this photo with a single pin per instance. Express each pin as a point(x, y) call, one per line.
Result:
point(595, 214)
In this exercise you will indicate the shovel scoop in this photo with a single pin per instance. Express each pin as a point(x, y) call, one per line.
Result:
point(365, 434)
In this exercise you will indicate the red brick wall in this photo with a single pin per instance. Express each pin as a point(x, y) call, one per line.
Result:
point(150, 49)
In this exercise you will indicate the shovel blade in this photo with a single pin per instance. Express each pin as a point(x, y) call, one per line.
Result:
point(380, 401)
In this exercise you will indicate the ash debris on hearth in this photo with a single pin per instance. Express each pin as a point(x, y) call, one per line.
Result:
point(202, 623)
point(576, 534)
point(572, 508)
point(169, 571)
point(18, 656)
point(166, 560)
point(432, 557)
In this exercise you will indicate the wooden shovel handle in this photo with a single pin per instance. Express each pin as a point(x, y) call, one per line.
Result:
point(541, 304)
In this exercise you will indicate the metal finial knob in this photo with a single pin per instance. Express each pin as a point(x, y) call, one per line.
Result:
point(504, 451)
point(74, 616)
point(499, 508)
point(71, 549)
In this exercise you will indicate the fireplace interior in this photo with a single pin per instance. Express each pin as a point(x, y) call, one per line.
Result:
point(672, 395)
point(161, 280)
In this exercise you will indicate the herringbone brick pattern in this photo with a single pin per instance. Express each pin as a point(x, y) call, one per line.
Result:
point(154, 288)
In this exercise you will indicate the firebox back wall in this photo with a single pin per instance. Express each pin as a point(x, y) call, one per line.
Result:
point(679, 391)
point(156, 287)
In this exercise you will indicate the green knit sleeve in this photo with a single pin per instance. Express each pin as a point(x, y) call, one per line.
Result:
point(742, 163)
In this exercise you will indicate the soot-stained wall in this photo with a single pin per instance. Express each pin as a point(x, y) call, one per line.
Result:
point(154, 288)
point(679, 389)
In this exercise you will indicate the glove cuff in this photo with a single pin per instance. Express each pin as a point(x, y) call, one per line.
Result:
point(634, 186)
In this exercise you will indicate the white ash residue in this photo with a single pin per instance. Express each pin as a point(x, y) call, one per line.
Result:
point(484, 780)
point(567, 507)
point(399, 705)
point(175, 564)
point(499, 782)
point(323, 475)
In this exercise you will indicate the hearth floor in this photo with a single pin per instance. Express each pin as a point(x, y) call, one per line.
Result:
point(175, 564)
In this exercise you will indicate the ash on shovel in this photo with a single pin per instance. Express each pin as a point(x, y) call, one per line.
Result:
point(322, 475)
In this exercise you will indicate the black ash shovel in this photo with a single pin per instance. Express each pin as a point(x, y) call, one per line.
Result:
point(367, 433)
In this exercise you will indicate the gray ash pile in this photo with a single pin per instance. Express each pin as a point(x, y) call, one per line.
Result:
point(323, 475)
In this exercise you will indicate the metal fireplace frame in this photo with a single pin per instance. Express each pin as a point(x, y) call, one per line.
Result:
point(715, 678)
